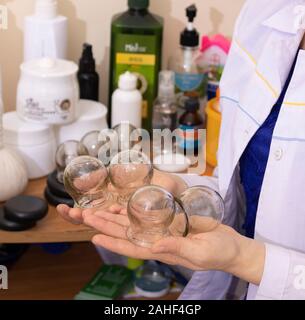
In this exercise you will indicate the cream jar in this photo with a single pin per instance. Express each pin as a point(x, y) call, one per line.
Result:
point(48, 91)
point(34, 142)
point(91, 116)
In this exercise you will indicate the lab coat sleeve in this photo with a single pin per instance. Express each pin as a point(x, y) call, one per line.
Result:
point(284, 275)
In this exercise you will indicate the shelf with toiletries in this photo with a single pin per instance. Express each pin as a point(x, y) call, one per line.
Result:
point(57, 100)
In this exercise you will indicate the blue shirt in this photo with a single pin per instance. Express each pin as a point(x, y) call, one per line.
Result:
point(254, 160)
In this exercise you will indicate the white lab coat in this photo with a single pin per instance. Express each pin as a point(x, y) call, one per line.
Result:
point(264, 46)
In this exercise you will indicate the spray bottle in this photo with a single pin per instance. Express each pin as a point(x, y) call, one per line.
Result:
point(165, 107)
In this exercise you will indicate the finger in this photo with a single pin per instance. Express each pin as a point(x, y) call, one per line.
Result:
point(119, 219)
point(122, 247)
point(178, 246)
point(126, 248)
point(116, 208)
point(106, 227)
point(64, 211)
point(76, 215)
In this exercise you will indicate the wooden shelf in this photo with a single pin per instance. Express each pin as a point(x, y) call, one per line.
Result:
point(52, 229)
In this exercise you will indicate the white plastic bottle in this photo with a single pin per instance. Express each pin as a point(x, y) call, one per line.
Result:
point(45, 32)
point(127, 102)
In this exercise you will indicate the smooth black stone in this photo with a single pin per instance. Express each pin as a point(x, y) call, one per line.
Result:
point(55, 187)
point(23, 209)
point(8, 225)
point(55, 200)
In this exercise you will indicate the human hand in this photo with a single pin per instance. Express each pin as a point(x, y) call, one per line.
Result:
point(169, 182)
point(209, 246)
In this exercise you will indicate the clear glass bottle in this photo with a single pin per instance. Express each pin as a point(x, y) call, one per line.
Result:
point(165, 106)
point(164, 114)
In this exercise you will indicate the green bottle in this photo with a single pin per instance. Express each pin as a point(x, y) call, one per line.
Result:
point(136, 46)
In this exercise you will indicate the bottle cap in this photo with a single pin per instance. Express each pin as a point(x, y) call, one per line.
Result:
point(166, 84)
point(87, 61)
point(128, 81)
point(46, 9)
point(192, 104)
point(190, 36)
point(138, 4)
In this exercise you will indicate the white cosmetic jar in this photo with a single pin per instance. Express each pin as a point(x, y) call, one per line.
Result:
point(91, 116)
point(34, 142)
point(48, 91)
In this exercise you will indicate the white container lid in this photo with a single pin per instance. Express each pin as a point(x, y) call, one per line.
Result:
point(91, 116)
point(172, 163)
point(20, 133)
point(48, 67)
point(90, 110)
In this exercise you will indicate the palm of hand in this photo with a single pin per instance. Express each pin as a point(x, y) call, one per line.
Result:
point(209, 246)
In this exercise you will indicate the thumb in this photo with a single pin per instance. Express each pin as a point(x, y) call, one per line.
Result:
point(174, 245)
point(117, 209)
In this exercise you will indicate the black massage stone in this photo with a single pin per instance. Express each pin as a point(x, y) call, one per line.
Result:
point(8, 225)
point(25, 209)
point(55, 187)
point(55, 200)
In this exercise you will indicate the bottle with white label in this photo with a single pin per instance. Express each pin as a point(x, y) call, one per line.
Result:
point(189, 80)
point(127, 102)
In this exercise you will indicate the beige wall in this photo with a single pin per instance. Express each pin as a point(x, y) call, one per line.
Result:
point(89, 20)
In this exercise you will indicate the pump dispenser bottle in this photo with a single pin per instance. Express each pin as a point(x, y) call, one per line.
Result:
point(88, 78)
point(189, 80)
point(45, 32)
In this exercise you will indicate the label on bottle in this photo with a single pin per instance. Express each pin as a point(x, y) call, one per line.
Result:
point(189, 138)
point(138, 54)
point(212, 89)
point(190, 83)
